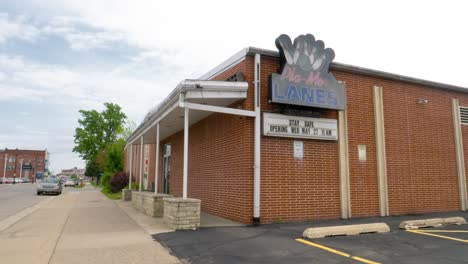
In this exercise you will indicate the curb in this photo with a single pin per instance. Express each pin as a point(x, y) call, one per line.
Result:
point(345, 230)
point(432, 222)
point(13, 219)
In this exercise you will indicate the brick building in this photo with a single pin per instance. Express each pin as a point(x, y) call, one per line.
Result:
point(367, 143)
point(23, 163)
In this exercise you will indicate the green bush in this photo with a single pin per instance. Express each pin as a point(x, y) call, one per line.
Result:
point(106, 190)
point(135, 186)
point(105, 178)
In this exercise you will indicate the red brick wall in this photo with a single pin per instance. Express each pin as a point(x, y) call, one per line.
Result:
point(220, 162)
point(421, 157)
point(361, 131)
point(293, 189)
point(421, 164)
point(35, 157)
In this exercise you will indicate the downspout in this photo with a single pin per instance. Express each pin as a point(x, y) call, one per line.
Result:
point(256, 212)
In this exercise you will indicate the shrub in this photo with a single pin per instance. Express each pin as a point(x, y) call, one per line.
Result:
point(135, 186)
point(118, 182)
point(105, 178)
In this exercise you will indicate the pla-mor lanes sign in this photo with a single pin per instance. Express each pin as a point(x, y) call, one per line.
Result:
point(299, 127)
point(305, 78)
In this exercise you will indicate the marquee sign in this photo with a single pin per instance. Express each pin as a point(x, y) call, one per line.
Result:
point(305, 78)
point(299, 127)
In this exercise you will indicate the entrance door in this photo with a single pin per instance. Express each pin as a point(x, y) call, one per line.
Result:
point(26, 174)
point(166, 167)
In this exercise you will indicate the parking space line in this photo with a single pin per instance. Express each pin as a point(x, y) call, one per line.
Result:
point(434, 235)
point(445, 231)
point(336, 251)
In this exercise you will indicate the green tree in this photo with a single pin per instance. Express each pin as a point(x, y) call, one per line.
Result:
point(92, 169)
point(115, 156)
point(128, 129)
point(97, 130)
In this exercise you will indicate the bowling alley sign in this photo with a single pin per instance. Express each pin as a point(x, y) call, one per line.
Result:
point(305, 78)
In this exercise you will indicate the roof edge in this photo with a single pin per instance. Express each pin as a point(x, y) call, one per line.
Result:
point(335, 66)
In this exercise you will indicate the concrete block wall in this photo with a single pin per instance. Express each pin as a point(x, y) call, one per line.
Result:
point(182, 214)
point(149, 203)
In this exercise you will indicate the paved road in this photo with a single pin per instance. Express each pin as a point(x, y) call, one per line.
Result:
point(16, 197)
point(80, 226)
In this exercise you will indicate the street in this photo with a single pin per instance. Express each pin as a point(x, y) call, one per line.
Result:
point(79, 226)
point(16, 197)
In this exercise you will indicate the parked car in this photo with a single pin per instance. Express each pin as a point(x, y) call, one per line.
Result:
point(23, 180)
point(8, 180)
point(49, 185)
point(70, 182)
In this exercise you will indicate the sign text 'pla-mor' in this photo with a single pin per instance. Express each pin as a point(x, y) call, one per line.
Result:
point(305, 78)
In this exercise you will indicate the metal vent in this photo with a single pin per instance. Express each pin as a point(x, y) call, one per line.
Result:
point(464, 115)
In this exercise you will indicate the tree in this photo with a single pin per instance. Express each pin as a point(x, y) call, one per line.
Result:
point(92, 169)
point(111, 158)
point(97, 130)
point(115, 156)
point(128, 129)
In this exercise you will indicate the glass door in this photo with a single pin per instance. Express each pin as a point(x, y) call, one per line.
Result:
point(166, 167)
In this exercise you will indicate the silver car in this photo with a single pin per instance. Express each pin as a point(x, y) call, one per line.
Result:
point(49, 185)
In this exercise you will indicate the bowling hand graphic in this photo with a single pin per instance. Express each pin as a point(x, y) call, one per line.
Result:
point(305, 52)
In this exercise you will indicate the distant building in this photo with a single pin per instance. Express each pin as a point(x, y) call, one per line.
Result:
point(23, 163)
point(70, 172)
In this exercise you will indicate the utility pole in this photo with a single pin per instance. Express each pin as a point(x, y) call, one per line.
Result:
point(16, 161)
point(4, 168)
point(21, 168)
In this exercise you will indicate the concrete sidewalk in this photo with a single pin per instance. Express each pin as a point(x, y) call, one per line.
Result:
point(80, 227)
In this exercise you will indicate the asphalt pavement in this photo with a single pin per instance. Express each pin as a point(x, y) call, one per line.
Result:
point(278, 243)
point(17, 197)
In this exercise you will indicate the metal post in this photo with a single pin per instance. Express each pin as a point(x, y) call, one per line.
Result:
point(4, 168)
point(186, 138)
point(141, 161)
point(21, 168)
point(131, 162)
point(256, 212)
point(156, 161)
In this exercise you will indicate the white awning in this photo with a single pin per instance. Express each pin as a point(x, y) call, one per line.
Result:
point(170, 115)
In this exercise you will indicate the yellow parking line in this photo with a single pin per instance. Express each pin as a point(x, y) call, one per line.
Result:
point(434, 235)
point(336, 251)
point(445, 231)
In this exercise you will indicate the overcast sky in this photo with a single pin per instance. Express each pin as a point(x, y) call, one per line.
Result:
point(57, 57)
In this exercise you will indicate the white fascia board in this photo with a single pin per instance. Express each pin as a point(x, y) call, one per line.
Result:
point(196, 86)
point(218, 109)
point(150, 124)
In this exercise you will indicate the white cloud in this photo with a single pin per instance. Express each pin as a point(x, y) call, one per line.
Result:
point(184, 39)
point(79, 87)
point(11, 28)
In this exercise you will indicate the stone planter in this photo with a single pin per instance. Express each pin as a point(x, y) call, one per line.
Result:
point(126, 195)
point(181, 214)
point(149, 203)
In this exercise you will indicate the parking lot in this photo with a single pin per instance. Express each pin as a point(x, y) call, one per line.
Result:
point(283, 244)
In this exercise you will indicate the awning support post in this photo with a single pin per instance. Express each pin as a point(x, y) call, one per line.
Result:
point(186, 139)
point(141, 162)
point(156, 160)
point(256, 212)
point(131, 169)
